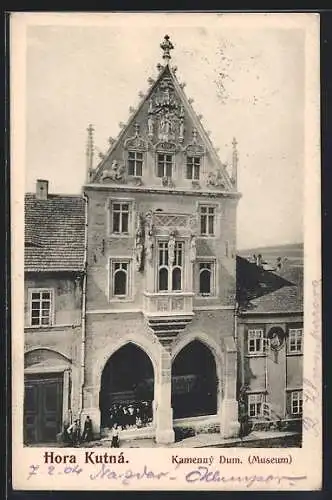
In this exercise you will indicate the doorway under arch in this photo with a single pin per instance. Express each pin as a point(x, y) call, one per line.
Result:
point(194, 382)
point(127, 387)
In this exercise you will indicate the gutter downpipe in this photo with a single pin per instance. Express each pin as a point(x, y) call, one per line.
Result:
point(83, 331)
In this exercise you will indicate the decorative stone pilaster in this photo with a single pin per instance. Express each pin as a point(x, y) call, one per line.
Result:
point(229, 418)
point(163, 407)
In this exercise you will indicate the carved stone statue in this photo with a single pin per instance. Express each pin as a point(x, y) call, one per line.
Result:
point(115, 172)
point(215, 179)
point(171, 248)
point(149, 236)
point(139, 249)
point(150, 126)
point(193, 249)
point(181, 131)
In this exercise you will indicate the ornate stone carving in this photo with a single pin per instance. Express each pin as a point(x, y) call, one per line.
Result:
point(171, 248)
point(194, 148)
point(167, 182)
point(136, 143)
point(216, 179)
point(166, 114)
point(149, 235)
point(115, 173)
point(177, 303)
point(166, 47)
point(139, 246)
point(193, 249)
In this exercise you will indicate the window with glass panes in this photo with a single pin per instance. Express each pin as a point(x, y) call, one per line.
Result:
point(170, 278)
point(135, 163)
point(295, 340)
point(120, 217)
point(255, 403)
point(207, 217)
point(256, 341)
point(193, 167)
point(41, 307)
point(297, 402)
point(164, 165)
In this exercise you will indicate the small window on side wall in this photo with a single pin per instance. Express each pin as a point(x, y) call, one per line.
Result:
point(206, 278)
point(120, 279)
point(295, 341)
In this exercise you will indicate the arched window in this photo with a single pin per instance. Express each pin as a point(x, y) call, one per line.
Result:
point(205, 278)
point(120, 279)
point(170, 275)
point(176, 278)
point(163, 279)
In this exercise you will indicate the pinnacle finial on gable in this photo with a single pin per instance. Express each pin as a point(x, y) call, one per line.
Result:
point(166, 47)
point(89, 151)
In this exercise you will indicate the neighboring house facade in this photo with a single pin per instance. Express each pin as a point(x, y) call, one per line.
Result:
point(270, 340)
point(54, 277)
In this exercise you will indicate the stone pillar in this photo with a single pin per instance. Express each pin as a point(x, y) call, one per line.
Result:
point(91, 408)
point(164, 413)
point(229, 418)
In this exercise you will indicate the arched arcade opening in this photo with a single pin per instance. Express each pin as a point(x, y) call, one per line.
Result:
point(194, 382)
point(127, 388)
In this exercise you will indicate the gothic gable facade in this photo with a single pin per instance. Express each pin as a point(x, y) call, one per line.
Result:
point(164, 145)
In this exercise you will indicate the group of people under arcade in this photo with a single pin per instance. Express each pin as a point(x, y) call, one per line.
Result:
point(135, 414)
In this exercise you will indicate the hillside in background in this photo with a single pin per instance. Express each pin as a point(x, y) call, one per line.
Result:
point(292, 252)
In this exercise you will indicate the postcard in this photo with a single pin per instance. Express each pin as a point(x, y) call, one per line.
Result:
point(166, 279)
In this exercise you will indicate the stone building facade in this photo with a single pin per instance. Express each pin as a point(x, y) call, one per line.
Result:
point(161, 260)
point(133, 291)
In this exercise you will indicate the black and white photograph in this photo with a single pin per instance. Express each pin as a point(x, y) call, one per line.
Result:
point(165, 231)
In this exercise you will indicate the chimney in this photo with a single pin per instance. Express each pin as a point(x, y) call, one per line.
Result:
point(41, 189)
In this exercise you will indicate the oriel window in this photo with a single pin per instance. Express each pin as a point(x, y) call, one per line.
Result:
point(135, 163)
point(207, 218)
point(120, 218)
point(170, 277)
point(164, 165)
point(193, 167)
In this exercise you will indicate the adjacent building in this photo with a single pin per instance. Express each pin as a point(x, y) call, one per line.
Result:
point(270, 336)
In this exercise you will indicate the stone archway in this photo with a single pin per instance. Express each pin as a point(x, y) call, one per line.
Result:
point(194, 381)
point(127, 388)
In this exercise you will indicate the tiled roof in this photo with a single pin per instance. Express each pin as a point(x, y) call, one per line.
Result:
point(54, 233)
point(262, 291)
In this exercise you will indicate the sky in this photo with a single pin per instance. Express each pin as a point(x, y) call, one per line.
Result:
point(246, 79)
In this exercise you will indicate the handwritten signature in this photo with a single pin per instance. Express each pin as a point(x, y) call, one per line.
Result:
point(201, 474)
